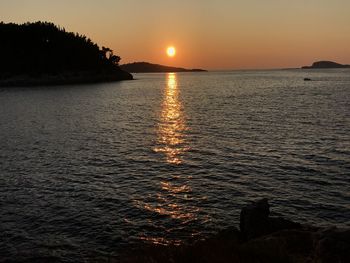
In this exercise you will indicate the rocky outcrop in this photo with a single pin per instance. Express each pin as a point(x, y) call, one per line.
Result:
point(332, 245)
point(261, 239)
point(255, 221)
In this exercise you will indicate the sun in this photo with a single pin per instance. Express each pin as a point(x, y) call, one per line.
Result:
point(171, 51)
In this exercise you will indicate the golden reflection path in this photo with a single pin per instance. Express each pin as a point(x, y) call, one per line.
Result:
point(173, 201)
point(171, 129)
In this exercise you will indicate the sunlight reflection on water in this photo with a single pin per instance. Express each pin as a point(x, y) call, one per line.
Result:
point(170, 200)
point(171, 136)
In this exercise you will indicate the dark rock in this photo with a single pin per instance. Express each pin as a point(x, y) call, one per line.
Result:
point(332, 245)
point(280, 223)
point(230, 233)
point(284, 246)
point(254, 219)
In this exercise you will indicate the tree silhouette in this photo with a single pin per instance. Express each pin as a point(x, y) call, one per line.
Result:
point(42, 47)
point(115, 59)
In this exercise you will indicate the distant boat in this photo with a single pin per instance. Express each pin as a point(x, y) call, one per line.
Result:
point(307, 79)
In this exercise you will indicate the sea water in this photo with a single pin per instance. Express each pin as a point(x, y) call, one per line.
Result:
point(88, 171)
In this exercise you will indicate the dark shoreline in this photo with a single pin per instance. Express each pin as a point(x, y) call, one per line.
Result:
point(65, 78)
point(260, 239)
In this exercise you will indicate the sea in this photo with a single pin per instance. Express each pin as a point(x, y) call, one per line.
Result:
point(88, 172)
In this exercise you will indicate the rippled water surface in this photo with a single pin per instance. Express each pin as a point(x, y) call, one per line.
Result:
point(88, 171)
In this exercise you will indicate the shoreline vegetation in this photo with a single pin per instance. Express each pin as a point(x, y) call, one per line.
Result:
point(146, 67)
point(260, 239)
point(42, 53)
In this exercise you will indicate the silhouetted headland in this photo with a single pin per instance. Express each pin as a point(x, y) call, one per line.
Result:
point(42, 53)
point(145, 67)
point(325, 64)
point(261, 238)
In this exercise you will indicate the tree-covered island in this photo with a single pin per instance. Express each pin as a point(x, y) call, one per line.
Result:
point(42, 53)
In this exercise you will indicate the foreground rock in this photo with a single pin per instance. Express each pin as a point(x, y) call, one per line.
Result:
point(261, 239)
point(255, 221)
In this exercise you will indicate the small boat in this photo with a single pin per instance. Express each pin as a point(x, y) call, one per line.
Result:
point(307, 79)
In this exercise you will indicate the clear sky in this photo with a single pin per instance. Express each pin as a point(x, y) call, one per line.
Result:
point(211, 34)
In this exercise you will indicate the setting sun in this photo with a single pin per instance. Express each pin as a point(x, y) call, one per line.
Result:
point(171, 51)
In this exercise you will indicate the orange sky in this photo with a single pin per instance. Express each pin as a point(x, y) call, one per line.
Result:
point(220, 34)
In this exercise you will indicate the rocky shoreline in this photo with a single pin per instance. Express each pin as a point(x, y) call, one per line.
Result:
point(261, 238)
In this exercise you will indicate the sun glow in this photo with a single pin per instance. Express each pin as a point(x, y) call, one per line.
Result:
point(171, 51)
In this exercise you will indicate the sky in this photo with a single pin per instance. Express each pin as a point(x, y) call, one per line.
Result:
point(210, 34)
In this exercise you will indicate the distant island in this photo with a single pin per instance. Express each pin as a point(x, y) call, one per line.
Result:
point(42, 53)
point(145, 67)
point(325, 64)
